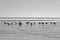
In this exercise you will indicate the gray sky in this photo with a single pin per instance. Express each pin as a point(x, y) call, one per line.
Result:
point(44, 8)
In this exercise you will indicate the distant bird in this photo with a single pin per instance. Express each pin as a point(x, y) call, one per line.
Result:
point(15, 22)
point(27, 22)
point(4, 22)
point(34, 23)
point(19, 23)
point(31, 24)
point(11, 23)
point(46, 23)
point(50, 22)
point(54, 23)
point(39, 23)
point(42, 23)
point(8, 23)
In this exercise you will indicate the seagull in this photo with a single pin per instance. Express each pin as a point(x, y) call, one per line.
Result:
point(19, 23)
point(27, 22)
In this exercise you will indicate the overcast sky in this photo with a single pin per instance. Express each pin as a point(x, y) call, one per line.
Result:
point(17, 8)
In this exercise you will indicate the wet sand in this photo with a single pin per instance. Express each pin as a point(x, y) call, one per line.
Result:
point(10, 33)
point(7, 32)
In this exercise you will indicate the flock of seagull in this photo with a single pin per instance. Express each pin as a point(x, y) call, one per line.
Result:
point(31, 23)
